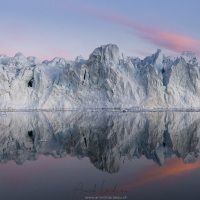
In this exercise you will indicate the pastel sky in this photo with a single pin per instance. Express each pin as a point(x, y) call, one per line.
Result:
point(68, 28)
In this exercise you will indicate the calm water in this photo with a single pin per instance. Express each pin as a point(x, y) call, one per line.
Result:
point(99, 155)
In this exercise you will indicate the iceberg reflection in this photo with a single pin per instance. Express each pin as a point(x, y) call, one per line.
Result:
point(106, 138)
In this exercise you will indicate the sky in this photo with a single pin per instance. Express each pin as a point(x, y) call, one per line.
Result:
point(68, 28)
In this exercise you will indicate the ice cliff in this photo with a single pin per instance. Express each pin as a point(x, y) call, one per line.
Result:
point(105, 80)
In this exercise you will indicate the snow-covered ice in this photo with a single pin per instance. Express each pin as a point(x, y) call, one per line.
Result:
point(107, 79)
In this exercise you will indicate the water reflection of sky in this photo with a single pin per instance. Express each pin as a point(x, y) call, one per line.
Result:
point(50, 178)
point(141, 156)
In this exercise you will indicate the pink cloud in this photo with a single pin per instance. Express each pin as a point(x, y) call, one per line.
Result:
point(167, 40)
point(174, 42)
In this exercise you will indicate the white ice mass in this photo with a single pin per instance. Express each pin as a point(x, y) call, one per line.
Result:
point(105, 80)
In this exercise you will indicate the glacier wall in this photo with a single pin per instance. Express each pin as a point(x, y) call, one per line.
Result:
point(105, 80)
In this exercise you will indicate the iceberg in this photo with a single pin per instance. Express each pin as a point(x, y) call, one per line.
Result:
point(106, 80)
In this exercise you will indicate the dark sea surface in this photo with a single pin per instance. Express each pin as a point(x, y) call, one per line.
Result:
point(99, 155)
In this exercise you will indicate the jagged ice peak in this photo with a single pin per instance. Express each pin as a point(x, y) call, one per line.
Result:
point(107, 79)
